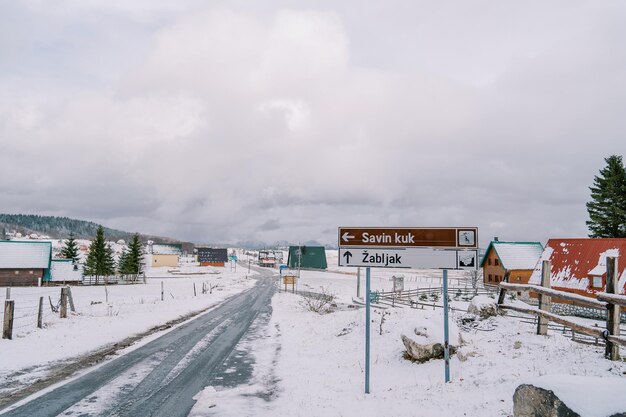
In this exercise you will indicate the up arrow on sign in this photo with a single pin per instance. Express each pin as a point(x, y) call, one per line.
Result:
point(346, 237)
point(347, 255)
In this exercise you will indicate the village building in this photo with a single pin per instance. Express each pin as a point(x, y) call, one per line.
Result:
point(64, 271)
point(164, 255)
point(579, 265)
point(24, 263)
point(517, 259)
point(212, 256)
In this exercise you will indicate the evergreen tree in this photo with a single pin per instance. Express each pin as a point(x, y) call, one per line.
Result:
point(135, 256)
point(607, 208)
point(70, 249)
point(109, 260)
point(100, 260)
point(122, 264)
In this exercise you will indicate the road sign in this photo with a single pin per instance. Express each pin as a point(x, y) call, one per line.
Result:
point(441, 237)
point(425, 258)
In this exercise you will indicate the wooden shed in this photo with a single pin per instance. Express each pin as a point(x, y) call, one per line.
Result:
point(518, 259)
point(24, 263)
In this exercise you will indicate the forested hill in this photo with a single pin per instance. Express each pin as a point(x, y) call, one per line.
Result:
point(61, 227)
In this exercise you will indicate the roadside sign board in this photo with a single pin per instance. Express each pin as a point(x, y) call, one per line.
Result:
point(440, 237)
point(426, 258)
point(404, 247)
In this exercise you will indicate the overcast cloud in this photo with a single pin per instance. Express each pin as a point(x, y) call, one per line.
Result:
point(223, 121)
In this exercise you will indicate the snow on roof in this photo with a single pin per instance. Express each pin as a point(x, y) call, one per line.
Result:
point(517, 255)
point(22, 255)
point(166, 249)
point(574, 261)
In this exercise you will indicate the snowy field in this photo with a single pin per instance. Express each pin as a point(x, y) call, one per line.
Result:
point(104, 316)
point(313, 365)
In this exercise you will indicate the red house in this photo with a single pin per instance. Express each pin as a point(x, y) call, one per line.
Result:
point(579, 265)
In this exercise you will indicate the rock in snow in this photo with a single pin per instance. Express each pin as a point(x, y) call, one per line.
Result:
point(483, 306)
point(531, 401)
point(423, 353)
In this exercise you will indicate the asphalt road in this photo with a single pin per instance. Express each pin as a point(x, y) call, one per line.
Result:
point(161, 377)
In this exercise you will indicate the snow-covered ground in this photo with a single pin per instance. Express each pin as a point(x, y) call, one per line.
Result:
point(310, 364)
point(105, 315)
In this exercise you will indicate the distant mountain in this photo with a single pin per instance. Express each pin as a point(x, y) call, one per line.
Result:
point(61, 227)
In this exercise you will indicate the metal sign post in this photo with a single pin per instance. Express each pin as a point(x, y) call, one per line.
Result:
point(446, 338)
point(401, 247)
point(367, 330)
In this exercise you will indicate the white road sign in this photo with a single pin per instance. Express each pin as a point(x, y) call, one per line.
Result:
point(425, 258)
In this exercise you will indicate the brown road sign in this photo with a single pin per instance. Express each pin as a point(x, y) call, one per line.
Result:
point(402, 237)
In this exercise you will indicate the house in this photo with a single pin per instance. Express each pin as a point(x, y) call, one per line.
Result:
point(24, 263)
point(518, 259)
point(212, 256)
point(307, 257)
point(65, 271)
point(579, 265)
point(164, 254)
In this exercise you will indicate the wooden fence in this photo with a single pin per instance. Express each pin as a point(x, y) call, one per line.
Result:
point(611, 300)
point(30, 315)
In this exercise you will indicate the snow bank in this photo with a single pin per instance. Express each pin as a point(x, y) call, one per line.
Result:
point(587, 395)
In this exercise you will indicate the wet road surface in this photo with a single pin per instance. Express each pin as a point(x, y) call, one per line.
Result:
point(161, 377)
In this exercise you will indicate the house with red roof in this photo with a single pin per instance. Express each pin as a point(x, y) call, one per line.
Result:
point(579, 265)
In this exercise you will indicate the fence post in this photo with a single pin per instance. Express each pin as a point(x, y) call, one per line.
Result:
point(8, 296)
point(544, 300)
point(502, 290)
point(40, 313)
point(7, 326)
point(194, 289)
point(161, 290)
point(63, 309)
point(613, 310)
point(71, 299)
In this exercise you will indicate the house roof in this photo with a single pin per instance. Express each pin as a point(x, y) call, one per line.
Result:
point(575, 261)
point(22, 255)
point(167, 249)
point(515, 255)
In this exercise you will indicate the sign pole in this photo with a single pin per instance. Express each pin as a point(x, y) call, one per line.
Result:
point(358, 282)
point(367, 330)
point(446, 344)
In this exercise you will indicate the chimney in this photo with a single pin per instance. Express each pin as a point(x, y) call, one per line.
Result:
point(495, 239)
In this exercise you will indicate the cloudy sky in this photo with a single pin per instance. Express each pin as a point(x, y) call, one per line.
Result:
point(222, 121)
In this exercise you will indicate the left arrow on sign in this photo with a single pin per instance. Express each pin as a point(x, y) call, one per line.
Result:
point(347, 255)
point(346, 237)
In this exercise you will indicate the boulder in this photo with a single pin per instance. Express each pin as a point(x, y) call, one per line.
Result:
point(531, 401)
point(483, 306)
point(421, 353)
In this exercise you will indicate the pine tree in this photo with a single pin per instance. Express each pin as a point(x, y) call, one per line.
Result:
point(70, 249)
point(109, 260)
point(607, 208)
point(100, 260)
point(122, 264)
point(135, 256)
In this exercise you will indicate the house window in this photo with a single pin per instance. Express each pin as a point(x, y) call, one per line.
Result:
point(496, 262)
point(30, 272)
point(519, 279)
point(17, 272)
point(597, 282)
point(489, 261)
point(490, 279)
